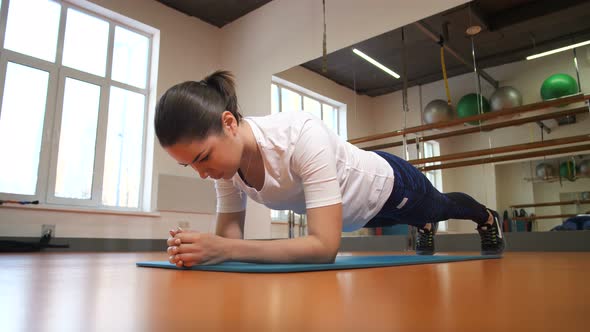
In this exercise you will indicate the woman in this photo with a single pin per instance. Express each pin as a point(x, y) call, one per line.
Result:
point(292, 161)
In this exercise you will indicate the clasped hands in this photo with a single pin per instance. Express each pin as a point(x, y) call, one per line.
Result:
point(188, 248)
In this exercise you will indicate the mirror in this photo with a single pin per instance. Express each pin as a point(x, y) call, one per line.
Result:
point(540, 195)
point(484, 49)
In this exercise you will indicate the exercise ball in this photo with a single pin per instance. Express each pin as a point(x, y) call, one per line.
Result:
point(505, 97)
point(567, 170)
point(437, 111)
point(558, 85)
point(468, 106)
point(544, 171)
point(585, 167)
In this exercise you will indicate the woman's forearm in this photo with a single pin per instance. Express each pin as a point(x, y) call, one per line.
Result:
point(308, 249)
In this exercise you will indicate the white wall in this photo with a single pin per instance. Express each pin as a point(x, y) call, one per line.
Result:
point(511, 186)
point(277, 36)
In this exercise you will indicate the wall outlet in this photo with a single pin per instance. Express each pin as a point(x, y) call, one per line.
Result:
point(184, 224)
point(48, 229)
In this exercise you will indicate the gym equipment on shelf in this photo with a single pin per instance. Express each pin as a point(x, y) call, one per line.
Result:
point(469, 105)
point(505, 97)
point(437, 111)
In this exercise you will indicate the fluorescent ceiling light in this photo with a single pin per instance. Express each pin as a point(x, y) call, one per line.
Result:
point(557, 50)
point(373, 61)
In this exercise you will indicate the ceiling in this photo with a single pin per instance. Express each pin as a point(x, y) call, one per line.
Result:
point(511, 30)
point(215, 12)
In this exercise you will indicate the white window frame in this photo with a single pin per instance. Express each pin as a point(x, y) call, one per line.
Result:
point(432, 149)
point(340, 108)
point(341, 130)
point(54, 104)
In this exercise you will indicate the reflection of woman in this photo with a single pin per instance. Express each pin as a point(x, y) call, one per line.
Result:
point(292, 161)
point(577, 223)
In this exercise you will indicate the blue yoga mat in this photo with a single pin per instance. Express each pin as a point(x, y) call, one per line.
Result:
point(341, 263)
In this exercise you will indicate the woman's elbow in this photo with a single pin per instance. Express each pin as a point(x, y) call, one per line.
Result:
point(331, 258)
point(325, 249)
point(328, 255)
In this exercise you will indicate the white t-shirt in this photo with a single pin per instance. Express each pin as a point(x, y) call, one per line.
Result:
point(307, 166)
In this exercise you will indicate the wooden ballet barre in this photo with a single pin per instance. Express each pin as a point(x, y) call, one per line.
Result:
point(503, 149)
point(574, 202)
point(515, 156)
point(531, 218)
point(486, 116)
point(487, 127)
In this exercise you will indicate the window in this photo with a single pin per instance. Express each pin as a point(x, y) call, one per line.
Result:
point(288, 97)
point(432, 149)
point(74, 96)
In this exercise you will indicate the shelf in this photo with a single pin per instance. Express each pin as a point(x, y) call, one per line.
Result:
point(555, 179)
point(533, 218)
point(499, 150)
point(574, 202)
point(487, 127)
point(503, 149)
point(515, 156)
point(486, 116)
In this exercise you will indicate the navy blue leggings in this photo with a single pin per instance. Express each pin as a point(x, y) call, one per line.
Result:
point(415, 201)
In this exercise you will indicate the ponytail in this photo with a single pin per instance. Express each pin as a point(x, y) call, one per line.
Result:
point(223, 82)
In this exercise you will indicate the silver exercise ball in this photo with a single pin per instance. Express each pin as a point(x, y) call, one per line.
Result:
point(544, 171)
point(584, 169)
point(505, 97)
point(437, 111)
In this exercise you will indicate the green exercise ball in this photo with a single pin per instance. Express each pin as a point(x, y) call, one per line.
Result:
point(567, 170)
point(558, 85)
point(468, 106)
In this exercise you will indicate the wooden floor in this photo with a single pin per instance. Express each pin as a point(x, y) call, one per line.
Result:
point(107, 292)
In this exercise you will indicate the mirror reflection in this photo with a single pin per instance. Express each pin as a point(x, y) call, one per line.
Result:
point(487, 98)
point(545, 194)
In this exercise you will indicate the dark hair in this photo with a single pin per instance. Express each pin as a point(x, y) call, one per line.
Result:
point(192, 110)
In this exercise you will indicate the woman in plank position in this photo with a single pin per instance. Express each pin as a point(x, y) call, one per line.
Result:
point(292, 161)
